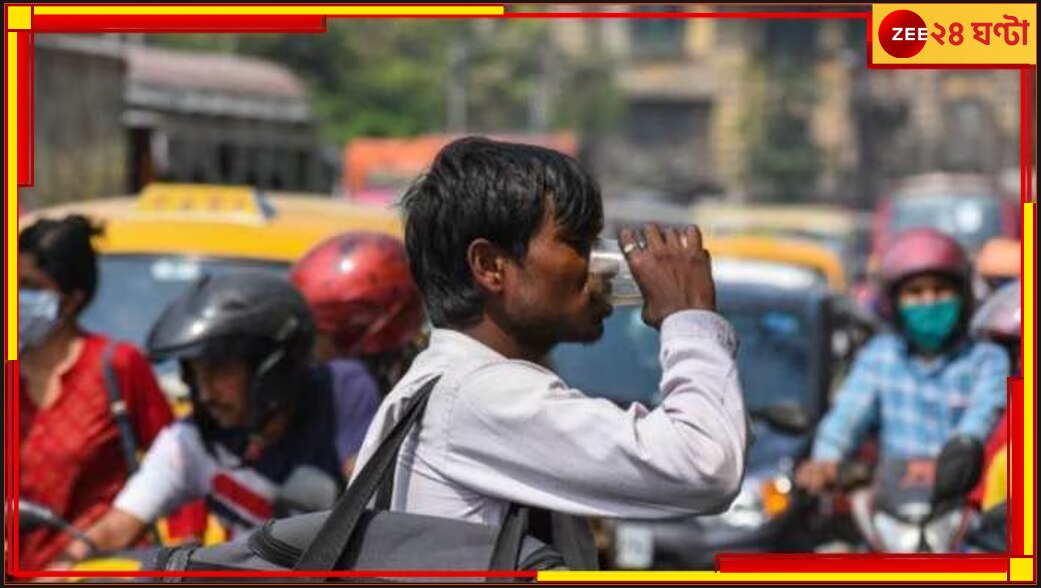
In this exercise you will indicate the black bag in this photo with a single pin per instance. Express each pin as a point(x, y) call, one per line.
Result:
point(353, 537)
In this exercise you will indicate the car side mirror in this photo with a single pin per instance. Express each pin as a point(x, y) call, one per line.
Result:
point(788, 418)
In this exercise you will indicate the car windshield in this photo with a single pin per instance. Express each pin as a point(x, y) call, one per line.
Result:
point(773, 358)
point(972, 220)
point(134, 289)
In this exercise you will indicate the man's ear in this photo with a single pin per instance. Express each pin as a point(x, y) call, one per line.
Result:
point(487, 265)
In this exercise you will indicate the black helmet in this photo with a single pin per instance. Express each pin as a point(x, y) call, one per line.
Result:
point(253, 316)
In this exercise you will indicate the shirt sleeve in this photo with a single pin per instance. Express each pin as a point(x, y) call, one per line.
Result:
point(989, 395)
point(149, 411)
point(164, 481)
point(554, 447)
point(855, 409)
point(356, 398)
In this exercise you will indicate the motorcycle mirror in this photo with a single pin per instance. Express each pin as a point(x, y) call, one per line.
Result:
point(307, 489)
point(32, 516)
point(788, 418)
point(958, 469)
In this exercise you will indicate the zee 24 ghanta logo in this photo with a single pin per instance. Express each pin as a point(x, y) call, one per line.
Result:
point(903, 33)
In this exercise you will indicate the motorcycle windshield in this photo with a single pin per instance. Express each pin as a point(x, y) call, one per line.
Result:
point(904, 489)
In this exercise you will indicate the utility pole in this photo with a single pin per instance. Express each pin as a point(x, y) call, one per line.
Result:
point(539, 113)
point(458, 61)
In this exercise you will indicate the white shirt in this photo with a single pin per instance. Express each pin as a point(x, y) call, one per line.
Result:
point(177, 469)
point(498, 430)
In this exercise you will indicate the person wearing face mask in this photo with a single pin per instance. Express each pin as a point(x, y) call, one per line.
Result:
point(71, 452)
point(926, 381)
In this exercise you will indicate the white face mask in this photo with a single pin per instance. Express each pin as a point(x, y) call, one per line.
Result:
point(37, 316)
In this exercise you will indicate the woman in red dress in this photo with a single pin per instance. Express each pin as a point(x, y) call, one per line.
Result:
point(71, 456)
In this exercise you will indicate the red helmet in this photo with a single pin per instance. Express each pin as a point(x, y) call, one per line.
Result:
point(360, 291)
point(918, 251)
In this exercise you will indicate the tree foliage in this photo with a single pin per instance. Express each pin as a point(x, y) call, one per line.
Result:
point(391, 77)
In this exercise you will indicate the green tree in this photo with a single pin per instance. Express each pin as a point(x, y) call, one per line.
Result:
point(392, 77)
point(783, 161)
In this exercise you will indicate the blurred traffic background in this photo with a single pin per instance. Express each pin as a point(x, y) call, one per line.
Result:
point(799, 163)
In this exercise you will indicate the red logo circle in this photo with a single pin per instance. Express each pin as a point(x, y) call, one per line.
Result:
point(902, 34)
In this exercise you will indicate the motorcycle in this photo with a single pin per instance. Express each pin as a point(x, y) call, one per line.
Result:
point(918, 506)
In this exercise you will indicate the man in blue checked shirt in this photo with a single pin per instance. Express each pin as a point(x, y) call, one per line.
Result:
point(924, 383)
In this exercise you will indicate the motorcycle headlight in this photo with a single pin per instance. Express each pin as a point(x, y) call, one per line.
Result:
point(896, 536)
point(758, 502)
point(776, 495)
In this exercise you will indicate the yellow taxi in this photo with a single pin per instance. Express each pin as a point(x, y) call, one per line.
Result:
point(844, 231)
point(822, 262)
point(827, 223)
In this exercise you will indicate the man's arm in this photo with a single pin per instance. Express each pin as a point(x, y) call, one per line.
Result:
point(855, 409)
point(161, 484)
point(115, 530)
point(519, 433)
point(989, 395)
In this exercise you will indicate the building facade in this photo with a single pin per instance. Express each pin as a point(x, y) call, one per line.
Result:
point(738, 106)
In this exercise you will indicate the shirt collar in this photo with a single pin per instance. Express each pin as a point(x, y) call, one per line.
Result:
point(452, 342)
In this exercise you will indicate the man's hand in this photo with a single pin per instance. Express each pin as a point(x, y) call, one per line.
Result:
point(76, 551)
point(815, 476)
point(673, 271)
point(114, 530)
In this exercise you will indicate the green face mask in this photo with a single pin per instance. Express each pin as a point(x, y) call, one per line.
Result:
point(928, 326)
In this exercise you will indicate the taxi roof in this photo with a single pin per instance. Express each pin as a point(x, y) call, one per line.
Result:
point(817, 218)
point(282, 228)
point(781, 250)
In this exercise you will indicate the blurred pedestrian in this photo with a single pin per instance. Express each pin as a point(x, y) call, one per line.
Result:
point(998, 263)
point(73, 455)
point(927, 381)
point(999, 320)
point(368, 314)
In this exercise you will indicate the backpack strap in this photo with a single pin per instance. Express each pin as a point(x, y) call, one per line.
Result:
point(117, 406)
point(332, 539)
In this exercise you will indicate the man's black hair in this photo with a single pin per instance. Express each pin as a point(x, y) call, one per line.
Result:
point(63, 250)
point(479, 188)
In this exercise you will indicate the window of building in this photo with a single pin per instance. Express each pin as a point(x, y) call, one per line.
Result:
point(658, 37)
point(654, 122)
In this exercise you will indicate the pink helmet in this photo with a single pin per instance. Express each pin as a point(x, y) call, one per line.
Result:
point(918, 251)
